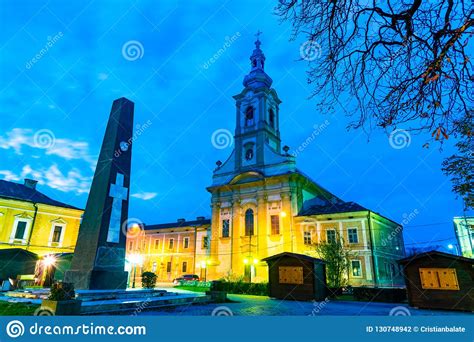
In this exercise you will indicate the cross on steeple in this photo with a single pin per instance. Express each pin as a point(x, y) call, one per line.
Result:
point(257, 42)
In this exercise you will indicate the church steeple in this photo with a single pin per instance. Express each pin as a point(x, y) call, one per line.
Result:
point(257, 76)
point(257, 144)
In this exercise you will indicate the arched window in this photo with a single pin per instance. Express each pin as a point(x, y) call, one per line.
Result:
point(271, 116)
point(249, 154)
point(249, 222)
point(249, 117)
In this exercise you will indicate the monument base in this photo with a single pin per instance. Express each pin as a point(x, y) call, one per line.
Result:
point(97, 279)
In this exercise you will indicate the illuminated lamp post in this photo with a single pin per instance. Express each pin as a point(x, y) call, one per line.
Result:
point(135, 259)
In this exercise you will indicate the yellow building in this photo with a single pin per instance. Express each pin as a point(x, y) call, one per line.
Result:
point(32, 221)
point(170, 249)
point(262, 205)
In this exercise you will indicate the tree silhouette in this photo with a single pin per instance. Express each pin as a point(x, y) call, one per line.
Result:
point(391, 63)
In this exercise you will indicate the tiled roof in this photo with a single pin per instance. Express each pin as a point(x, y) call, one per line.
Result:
point(332, 208)
point(21, 192)
point(178, 224)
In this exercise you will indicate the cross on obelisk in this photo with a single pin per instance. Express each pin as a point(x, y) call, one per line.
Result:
point(119, 193)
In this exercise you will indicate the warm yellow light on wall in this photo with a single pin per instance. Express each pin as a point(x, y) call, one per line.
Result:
point(246, 261)
point(135, 259)
point(203, 264)
point(283, 214)
point(255, 261)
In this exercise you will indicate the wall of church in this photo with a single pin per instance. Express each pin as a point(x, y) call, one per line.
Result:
point(39, 223)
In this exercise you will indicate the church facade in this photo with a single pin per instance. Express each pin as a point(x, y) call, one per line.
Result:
point(262, 205)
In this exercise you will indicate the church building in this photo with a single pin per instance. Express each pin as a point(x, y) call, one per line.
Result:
point(263, 205)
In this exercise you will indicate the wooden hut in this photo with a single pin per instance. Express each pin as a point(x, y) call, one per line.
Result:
point(296, 277)
point(437, 280)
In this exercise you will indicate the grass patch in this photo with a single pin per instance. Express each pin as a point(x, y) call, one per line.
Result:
point(192, 288)
point(17, 309)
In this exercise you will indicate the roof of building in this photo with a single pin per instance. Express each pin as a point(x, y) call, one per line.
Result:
point(293, 255)
point(21, 192)
point(430, 255)
point(332, 208)
point(178, 224)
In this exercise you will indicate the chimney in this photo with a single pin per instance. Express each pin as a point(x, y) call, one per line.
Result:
point(181, 220)
point(200, 218)
point(30, 183)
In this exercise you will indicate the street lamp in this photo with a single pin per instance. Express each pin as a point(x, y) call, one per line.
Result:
point(135, 259)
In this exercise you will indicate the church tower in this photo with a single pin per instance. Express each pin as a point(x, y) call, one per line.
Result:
point(251, 189)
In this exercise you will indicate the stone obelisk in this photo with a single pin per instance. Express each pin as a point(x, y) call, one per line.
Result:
point(99, 257)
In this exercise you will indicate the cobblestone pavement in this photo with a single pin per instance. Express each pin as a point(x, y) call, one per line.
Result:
point(242, 305)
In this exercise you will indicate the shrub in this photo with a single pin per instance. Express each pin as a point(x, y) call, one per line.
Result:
point(241, 287)
point(62, 291)
point(375, 294)
point(148, 280)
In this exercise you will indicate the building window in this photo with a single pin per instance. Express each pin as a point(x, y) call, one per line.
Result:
point(271, 116)
point(439, 279)
point(186, 242)
point(157, 243)
point(168, 267)
point(249, 117)
point(20, 230)
point(185, 267)
point(356, 268)
point(352, 233)
point(130, 245)
point(249, 222)
point(205, 242)
point(57, 230)
point(330, 236)
point(249, 154)
point(307, 238)
point(225, 228)
point(171, 244)
point(275, 221)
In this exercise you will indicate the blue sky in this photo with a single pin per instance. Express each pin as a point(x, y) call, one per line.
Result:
point(184, 97)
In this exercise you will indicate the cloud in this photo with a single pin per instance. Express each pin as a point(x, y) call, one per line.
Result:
point(45, 140)
point(145, 195)
point(70, 181)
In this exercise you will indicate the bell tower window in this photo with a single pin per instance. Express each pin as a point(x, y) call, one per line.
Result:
point(271, 118)
point(249, 117)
